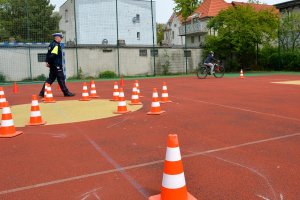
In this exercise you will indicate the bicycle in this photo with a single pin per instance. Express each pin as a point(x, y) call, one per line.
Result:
point(204, 70)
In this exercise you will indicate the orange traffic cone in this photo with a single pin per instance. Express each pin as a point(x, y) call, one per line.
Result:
point(45, 91)
point(135, 100)
point(155, 106)
point(15, 88)
point(93, 90)
point(173, 183)
point(7, 129)
point(165, 95)
point(49, 96)
point(137, 85)
point(122, 107)
point(2, 98)
point(122, 81)
point(35, 114)
point(116, 92)
point(241, 74)
point(85, 93)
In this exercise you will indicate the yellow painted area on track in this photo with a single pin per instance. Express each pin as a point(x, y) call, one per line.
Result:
point(297, 82)
point(73, 111)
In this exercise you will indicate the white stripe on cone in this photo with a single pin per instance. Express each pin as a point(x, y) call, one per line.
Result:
point(121, 94)
point(93, 92)
point(2, 100)
point(85, 88)
point(35, 103)
point(116, 87)
point(155, 95)
point(1, 93)
point(173, 181)
point(93, 85)
point(155, 104)
point(122, 103)
point(173, 154)
point(135, 97)
point(6, 110)
point(85, 94)
point(49, 95)
point(7, 123)
point(35, 113)
point(165, 87)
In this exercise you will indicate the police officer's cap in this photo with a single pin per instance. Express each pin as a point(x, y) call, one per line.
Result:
point(58, 34)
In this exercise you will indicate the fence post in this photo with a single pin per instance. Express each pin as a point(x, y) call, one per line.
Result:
point(28, 37)
point(118, 49)
point(153, 40)
point(76, 44)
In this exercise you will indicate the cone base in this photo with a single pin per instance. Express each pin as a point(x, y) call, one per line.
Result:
point(113, 100)
point(11, 135)
point(94, 96)
point(49, 101)
point(84, 99)
point(158, 197)
point(166, 102)
point(155, 113)
point(122, 112)
point(135, 104)
point(36, 124)
point(141, 96)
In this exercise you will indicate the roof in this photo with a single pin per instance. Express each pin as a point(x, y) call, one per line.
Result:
point(287, 4)
point(179, 17)
point(211, 8)
point(257, 7)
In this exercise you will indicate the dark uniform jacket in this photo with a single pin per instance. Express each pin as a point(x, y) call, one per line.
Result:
point(54, 55)
point(209, 59)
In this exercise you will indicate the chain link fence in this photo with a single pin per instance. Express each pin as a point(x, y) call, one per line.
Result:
point(119, 36)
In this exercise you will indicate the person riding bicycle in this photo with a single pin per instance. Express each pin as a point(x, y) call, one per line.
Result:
point(209, 61)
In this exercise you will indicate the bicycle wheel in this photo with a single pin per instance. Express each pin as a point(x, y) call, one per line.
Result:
point(219, 71)
point(202, 72)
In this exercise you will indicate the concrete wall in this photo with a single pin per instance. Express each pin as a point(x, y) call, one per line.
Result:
point(15, 63)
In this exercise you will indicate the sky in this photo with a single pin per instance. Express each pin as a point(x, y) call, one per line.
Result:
point(164, 8)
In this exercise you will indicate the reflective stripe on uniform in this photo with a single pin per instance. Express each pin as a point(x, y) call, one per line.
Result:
point(55, 50)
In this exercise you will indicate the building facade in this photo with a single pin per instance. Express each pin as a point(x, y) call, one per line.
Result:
point(289, 6)
point(95, 22)
point(171, 32)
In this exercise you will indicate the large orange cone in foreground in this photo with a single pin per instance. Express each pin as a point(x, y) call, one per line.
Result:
point(116, 92)
point(7, 129)
point(122, 105)
point(35, 113)
point(173, 183)
point(2, 98)
point(155, 106)
point(93, 93)
point(165, 94)
point(85, 93)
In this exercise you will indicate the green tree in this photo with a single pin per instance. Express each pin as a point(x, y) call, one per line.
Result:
point(186, 7)
point(289, 31)
point(160, 32)
point(27, 20)
point(241, 30)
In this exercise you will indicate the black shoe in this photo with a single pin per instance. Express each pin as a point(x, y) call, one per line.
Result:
point(41, 95)
point(69, 94)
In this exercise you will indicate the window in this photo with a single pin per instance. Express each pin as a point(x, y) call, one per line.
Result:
point(173, 35)
point(138, 35)
point(66, 15)
point(137, 18)
point(143, 52)
point(41, 57)
point(192, 39)
point(199, 38)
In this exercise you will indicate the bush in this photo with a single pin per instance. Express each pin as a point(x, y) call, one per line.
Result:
point(107, 74)
point(2, 78)
point(41, 77)
point(271, 59)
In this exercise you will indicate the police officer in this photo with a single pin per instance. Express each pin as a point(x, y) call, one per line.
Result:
point(54, 61)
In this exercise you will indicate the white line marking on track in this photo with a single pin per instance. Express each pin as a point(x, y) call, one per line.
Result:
point(74, 178)
point(241, 109)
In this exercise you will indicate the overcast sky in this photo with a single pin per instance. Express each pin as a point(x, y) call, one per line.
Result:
point(164, 8)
